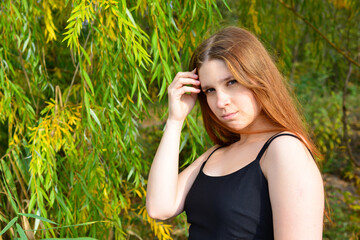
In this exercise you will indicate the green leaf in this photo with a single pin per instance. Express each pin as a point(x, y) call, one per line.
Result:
point(73, 16)
point(128, 13)
point(15, 88)
point(64, 207)
point(167, 72)
point(72, 23)
point(3, 219)
point(9, 225)
point(16, 11)
point(225, 3)
point(194, 129)
point(88, 81)
point(65, 38)
point(85, 54)
point(26, 43)
point(84, 187)
point(12, 202)
point(193, 11)
point(134, 86)
point(21, 232)
point(9, 179)
point(163, 88)
point(37, 217)
point(25, 4)
point(92, 113)
point(32, 202)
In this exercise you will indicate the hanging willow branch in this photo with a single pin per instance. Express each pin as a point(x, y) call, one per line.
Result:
point(320, 33)
point(97, 163)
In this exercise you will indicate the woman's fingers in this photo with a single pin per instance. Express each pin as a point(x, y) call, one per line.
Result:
point(182, 94)
point(178, 92)
point(185, 81)
point(185, 78)
point(186, 75)
point(187, 89)
point(181, 75)
point(185, 85)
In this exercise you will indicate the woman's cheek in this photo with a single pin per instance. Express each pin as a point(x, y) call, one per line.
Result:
point(211, 102)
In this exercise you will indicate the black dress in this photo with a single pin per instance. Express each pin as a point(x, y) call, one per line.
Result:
point(234, 206)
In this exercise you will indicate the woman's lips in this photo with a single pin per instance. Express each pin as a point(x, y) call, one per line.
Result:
point(229, 116)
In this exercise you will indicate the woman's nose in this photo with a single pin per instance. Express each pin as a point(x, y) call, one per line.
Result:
point(222, 99)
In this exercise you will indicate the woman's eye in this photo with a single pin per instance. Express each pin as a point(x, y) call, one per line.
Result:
point(232, 82)
point(209, 90)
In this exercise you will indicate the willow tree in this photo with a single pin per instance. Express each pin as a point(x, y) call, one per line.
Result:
point(77, 78)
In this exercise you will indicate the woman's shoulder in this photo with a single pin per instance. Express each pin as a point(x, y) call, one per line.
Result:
point(286, 152)
point(286, 144)
point(295, 188)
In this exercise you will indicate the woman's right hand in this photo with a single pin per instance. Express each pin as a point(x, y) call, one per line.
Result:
point(181, 103)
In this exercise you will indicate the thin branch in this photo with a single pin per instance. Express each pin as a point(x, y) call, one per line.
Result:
point(7, 154)
point(44, 62)
point(320, 33)
point(19, 177)
point(26, 76)
point(77, 69)
point(344, 120)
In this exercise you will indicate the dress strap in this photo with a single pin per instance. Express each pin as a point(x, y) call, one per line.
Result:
point(203, 164)
point(266, 145)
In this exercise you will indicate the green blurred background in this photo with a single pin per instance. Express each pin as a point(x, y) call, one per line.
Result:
point(83, 104)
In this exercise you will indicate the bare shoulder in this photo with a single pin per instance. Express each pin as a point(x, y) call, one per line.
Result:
point(286, 153)
point(295, 189)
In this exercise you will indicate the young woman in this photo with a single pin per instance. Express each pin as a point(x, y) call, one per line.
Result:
point(260, 180)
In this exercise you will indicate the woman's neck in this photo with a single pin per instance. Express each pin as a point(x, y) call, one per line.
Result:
point(261, 129)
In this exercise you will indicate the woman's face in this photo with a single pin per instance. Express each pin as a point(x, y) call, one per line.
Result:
point(232, 103)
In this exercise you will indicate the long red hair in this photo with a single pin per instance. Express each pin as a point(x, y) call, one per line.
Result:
point(252, 66)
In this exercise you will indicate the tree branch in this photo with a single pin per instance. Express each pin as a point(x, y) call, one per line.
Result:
point(19, 177)
point(77, 69)
point(344, 120)
point(26, 76)
point(320, 33)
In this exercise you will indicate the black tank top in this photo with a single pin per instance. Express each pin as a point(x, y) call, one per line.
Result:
point(234, 206)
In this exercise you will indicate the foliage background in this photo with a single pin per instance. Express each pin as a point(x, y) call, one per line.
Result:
point(83, 104)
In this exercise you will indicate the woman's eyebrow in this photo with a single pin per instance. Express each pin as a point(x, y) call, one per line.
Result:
point(219, 81)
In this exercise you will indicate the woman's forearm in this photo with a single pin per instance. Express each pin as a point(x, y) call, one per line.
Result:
point(163, 176)
point(162, 190)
